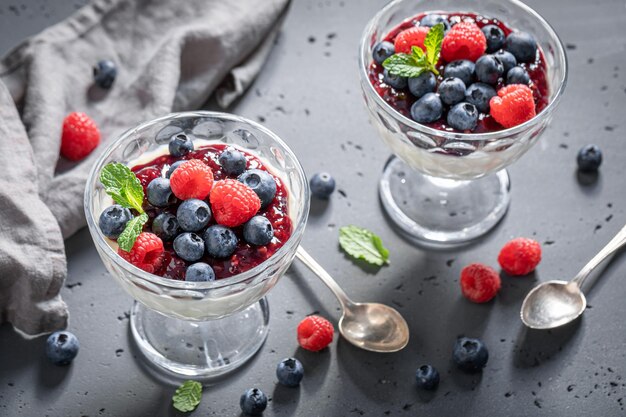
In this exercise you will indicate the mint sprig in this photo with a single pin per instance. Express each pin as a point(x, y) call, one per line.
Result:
point(187, 396)
point(363, 244)
point(133, 228)
point(414, 64)
point(122, 185)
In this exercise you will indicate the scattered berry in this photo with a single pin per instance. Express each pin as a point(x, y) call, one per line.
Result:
point(513, 105)
point(253, 402)
point(233, 202)
point(193, 179)
point(113, 220)
point(451, 91)
point(180, 145)
point(463, 69)
point(159, 192)
point(165, 226)
point(495, 38)
point(199, 272)
point(382, 51)
point(258, 231)
point(427, 109)
point(520, 256)
point(189, 246)
point(290, 372)
point(470, 355)
point(489, 69)
point(262, 183)
point(220, 241)
point(232, 161)
point(80, 136)
point(322, 185)
point(507, 59)
point(193, 215)
point(62, 347)
point(395, 81)
point(463, 116)
point(589, 158)
point(427, 377)
point(425, 83)
point(173, 167)
point(104, 73)
point(431, 20)
point(522, 45)
point(479, 94)
point(146, 253)
point(315, 333)
point(406, 39)
point(464, 41)
point(517, 75)
point(479, 283)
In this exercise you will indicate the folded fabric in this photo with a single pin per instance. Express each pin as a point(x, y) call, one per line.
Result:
point(171, 56)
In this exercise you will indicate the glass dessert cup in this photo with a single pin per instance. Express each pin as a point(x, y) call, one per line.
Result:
point(200, 329)
point(445, 188)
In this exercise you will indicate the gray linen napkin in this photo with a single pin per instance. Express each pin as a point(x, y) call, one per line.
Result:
point(171, 56)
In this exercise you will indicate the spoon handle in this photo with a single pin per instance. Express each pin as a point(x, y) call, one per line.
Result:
point(617, 242)
point(312, 264)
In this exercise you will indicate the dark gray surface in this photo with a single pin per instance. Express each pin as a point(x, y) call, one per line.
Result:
point(309, 94)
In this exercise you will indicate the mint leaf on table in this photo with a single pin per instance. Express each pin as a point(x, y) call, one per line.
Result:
point(187, 396)
point(122, 185)
point(363, 244)
point(127, 238)
point(417, 62)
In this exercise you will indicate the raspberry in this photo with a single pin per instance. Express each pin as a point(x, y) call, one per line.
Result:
point(520, 256)
point(147, 252)
point(464, 41)
point(513, 105)
point(410, 37)
point(479, 283)
point(192, 179)
point(80, 136)
point(233, 203)
point(315, 333)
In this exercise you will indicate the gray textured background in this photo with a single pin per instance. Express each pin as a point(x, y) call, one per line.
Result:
point(309, 94)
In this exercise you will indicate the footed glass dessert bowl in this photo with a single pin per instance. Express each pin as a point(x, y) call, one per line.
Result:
point(202, 329)
point(447, 186)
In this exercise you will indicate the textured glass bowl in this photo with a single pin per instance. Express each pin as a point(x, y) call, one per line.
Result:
point(458, 169)
point(170, 310)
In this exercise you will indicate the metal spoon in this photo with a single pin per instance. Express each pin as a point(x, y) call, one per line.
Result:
point(555, 303)
point(370, 326)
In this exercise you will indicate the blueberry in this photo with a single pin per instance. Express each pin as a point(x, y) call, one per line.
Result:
point(180, 145)
point(189, 246)
point(62, 347)
point(427, 109)
point(427, 377)
point(253, 402)
point(290, 372)
point(173, 167)
point(463, 69)
point(431, 20)
point(382, 51)
point(113, 220)
point(165, 226)
point(258, 231)
point(517, 75)
point(262, 183)
point(507, 59)
point(589, 158)
point(394, 81)
point(425, 83)
point(463, 116)
point(495, 38)
point(104, 73)
point(220, 241)
point(159, 192)
point(199, 272)
point(451, 91)
point(232, 161)
point(470, 355)
point(322, 185)
point(522, 45)
point(193, 215)
point(489, 69)
point(479, 95)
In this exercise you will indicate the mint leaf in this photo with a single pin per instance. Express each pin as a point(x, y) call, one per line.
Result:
point(418, 61)
point(122, 185)
point(433, 42)
point(363, 244)
point(403, 65)
point(187, 396)
point(127, 238)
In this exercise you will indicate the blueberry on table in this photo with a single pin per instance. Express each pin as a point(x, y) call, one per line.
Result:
point(495, 38)
point(189, 246)
point(193, 215)
point(258, 231)
point(427, 109)
point(322, 185)
point(262, 183)
point(479, 95)
point(62, 347)
point(232, 161)
point(382, 51)
point(469, 354)
point(517, 75)
point(220, 241)
point(489, 69)
point(199, 272)
point(451, 91)
point(589, 158)
point(463, 116)
point(424, 83)
point(522, 45)
point(253, 402)
point(113, 219)
point(507, 59)
point(395, 81)
point(290, 372)
point(165, 226)
point(180, 145)
point(427, 377)
point(431, 20)
point(463, 69)
point(159, 192)
point(173, 167)
point(104, 74)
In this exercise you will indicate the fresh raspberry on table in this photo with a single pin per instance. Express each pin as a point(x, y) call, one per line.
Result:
point(520, 256)
point(411, 37)
point(192, 179)
point(146, 253)
point(479, 283)
point(80, 136)
point(233, 203)
point(315, 333)
point(464, 41)
point(513, 105)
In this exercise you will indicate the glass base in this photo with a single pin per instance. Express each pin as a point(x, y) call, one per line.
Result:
point(204, 349)
point(442, 212)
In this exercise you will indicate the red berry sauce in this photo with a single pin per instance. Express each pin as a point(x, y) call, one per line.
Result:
point(402, 100)
point(246, 256)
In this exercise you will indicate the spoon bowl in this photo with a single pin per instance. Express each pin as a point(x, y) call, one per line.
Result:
point(374, 327)
point(553, 304)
